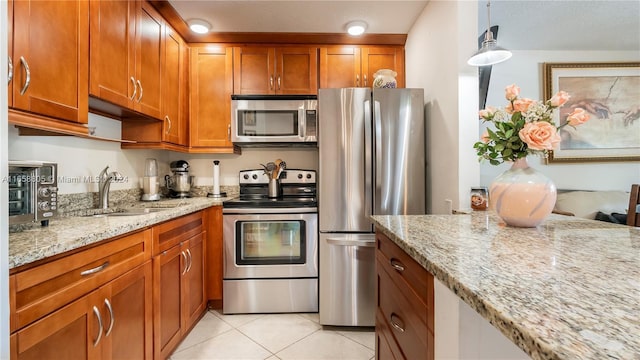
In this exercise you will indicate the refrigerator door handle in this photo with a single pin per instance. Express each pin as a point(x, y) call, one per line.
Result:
point(368, 159)
point(342, 242)
point(377, 156)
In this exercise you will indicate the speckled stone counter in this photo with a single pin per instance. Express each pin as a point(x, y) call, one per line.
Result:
point(72, 232)
point(568, 289)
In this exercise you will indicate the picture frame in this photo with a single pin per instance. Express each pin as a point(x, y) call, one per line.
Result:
point(610, 93)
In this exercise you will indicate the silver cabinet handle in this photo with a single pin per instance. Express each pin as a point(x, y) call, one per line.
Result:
point(357, 80)
point(169, 121)
point(365, 80)
point(95, 269)
point(396, 264)
point(113, 319)
point(135, 88)
point(340, 242)
point(28, 79)
point(190, 260)
point(279, 83)
point(185, 263)
point(229, 132)
point(271, 82)
point(10, 76)
point(97, 313)
point(395, 324)
point(141, 90)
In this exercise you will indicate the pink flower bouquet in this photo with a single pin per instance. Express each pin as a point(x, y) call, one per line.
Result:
point(523, 127)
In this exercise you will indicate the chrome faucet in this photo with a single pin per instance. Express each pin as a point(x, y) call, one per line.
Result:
point(104, 181)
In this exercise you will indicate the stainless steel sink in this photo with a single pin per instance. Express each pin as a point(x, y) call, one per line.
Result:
point(133, 212)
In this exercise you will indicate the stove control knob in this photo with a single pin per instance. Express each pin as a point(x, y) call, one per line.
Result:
point(246, 177)
point(308, 176)
point(44, 192)
point(299, 176)
point(44, 205)
point(255, 177)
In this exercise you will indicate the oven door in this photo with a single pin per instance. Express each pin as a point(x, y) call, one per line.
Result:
point(270, 245)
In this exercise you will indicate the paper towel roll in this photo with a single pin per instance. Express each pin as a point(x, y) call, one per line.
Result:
point(216, 177)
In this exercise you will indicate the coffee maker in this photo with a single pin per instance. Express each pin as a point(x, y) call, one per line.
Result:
point(179, 183)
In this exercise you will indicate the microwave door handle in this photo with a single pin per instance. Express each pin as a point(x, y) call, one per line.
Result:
point(302, 124)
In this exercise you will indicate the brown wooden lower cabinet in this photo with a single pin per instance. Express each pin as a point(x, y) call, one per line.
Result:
point(113, 300)
point(179, 293)
point(112, 322)
point(405, 299)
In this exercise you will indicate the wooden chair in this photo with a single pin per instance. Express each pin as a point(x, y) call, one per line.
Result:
point(633, 215)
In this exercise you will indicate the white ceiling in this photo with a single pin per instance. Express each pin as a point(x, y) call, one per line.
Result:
point(523, 24)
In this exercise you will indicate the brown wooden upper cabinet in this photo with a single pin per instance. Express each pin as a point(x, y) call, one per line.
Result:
point(211, 88)
point(48, 50)
point(354, 66)
point(126, 52)
point(280, 70)
point(175, 88)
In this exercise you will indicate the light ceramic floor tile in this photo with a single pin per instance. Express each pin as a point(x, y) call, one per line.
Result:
point(312, 316)
point(236, 320)
point(363, 336)
point(277, 331)
point(208, 327)
point(326, 345)
point(274, 358)
point(226, 346)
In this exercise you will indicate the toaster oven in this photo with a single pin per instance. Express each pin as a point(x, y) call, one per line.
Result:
point(33, 191)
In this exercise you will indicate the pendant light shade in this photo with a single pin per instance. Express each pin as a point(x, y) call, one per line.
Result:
point(490, 53)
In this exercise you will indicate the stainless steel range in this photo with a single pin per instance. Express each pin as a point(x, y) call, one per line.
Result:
point(271, 244)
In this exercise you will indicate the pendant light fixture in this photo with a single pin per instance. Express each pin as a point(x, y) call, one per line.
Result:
point(490, 53)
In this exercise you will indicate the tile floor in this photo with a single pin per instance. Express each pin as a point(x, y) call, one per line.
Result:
point(273, 336)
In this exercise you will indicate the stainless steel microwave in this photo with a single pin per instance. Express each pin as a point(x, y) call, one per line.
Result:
point(274, 120)
point(33, 191)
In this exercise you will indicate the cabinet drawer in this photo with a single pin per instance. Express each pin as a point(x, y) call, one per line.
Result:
point(173, 232)
point(405, 315)
point(40, 290)
point(403, 268)
point(386, 347)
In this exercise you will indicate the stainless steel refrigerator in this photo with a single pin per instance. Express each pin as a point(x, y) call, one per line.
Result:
point(372, 161)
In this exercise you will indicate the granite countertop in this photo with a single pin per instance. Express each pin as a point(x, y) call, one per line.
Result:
point(568, 289)
point(72, 232)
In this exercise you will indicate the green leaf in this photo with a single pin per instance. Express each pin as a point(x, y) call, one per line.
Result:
point(507, 153)
point(499, 147)
point(509, 133)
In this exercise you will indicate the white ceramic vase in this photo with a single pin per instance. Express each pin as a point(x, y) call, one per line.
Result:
point(522, 196)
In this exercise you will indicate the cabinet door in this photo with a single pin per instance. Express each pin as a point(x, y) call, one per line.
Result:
point(214, 254)
point(168, 268)
point(113, 51)
point(376, 58)
point(211, 88)
point(296, 70)
point(50, 52)
point(150, 41)
point(69, 333)
point(340, 67)
point(11, 69)
point(130, 317)
point(173, 87)
point(194, 281)
point(253, 70)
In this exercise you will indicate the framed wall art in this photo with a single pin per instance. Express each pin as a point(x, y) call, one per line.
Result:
point(610, 93)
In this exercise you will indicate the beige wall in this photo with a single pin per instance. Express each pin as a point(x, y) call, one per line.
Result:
point(437, 48)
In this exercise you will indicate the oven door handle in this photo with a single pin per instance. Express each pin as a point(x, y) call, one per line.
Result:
point(342, 242)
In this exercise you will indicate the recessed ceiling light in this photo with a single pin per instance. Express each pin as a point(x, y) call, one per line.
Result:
point(356, 28)
point(199, 26)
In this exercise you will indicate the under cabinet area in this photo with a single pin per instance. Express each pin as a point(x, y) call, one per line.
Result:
point(405, 304)
point(261, 70)
point(355, 66)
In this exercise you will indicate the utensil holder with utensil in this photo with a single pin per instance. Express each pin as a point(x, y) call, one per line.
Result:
point(274, 188)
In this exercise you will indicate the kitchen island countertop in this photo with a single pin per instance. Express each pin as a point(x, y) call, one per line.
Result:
point(72, 232)
point(568, 289)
